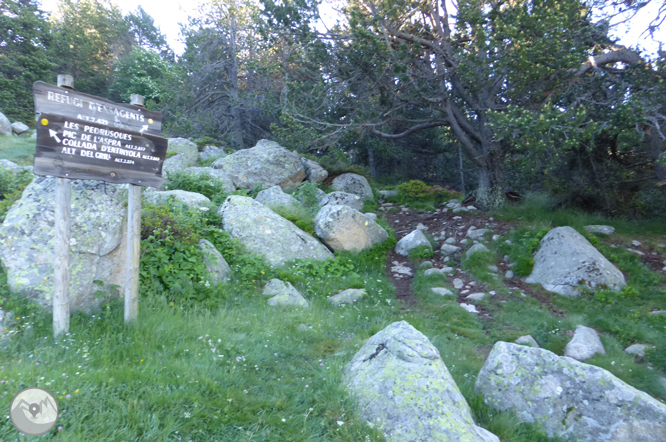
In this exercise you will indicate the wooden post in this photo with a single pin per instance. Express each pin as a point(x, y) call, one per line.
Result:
point(63, 206)
point(133, 244)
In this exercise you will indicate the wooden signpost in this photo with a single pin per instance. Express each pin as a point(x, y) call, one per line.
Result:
point(80, 136)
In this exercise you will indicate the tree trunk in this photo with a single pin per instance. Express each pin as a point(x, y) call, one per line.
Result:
point(371, 163)
point(490, 192)
point(236, 126)
point(657, 152)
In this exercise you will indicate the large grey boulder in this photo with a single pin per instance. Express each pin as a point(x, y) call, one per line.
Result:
point(191, 199)
point(403, 388)
point(185, 147)
point(567, 398)
point(217, 176)
point(266, 233)
point(209, 152)
point(267, 163)
point(566, 261)
point(412, 241)
point(343, 228)
point(584, 345)
point(176, 163)
point(5, 126)
point(353, 183)
point(283, 293)
point(275, 197)
point(10, 167)
point(313, 171)
point(344, 199)
point(217, 267)
point(19, 128)
point(97, 247)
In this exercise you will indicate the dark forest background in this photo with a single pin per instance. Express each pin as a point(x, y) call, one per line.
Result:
point(515, 95)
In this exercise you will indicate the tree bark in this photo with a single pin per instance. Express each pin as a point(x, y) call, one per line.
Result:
point(372, 163)
point(490, 191)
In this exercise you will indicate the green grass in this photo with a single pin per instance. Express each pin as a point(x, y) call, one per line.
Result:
point(219, 364)
point(19, 150)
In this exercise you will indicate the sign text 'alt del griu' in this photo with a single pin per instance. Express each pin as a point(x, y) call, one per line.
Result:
point(80, 136)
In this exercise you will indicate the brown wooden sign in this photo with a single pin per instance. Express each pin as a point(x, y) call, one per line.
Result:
point(70, 148)
point(55, 100)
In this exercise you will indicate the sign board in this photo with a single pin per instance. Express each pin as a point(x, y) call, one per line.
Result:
point(56, 100)
point(71, 148)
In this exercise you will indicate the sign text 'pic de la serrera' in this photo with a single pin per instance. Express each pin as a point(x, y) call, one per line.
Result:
point(80, 136)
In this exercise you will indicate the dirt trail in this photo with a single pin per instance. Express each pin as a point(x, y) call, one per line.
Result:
point(401, 270)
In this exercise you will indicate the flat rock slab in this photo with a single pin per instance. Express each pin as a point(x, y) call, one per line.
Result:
point(403, 388)
point(567, 398)
point(345, 199)
point(266, 233)
point(348, 296)
point(412, 241)
point(566, 261)
point(604, 230)
point(442, 291)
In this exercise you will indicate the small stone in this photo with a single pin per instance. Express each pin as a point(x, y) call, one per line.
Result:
point(637, 252)
point(658, 312)
point(476, 248)
point(426, 265)
point(635, 243)
point(509, 274)
point(512, 265)
point(661, 246)
point(453, 241)
point(507, 258)
point(458, 283)
point(584, 345)
point(527, 340)
point(605, 230)
point(508, 241)
point(491, 219)
point(637, 350)
point(442, 291)
point(496, 237)
point(448, 249)
point(493, 268)
point(348, 296)
point(476, 296)
point(469, 307)
point(492, 293)
point(445, 210)
point(464, 241)
point(457, 217)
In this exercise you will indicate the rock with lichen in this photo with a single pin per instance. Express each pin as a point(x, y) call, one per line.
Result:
point(567, 398)
point(403, 388)
point(97, 249)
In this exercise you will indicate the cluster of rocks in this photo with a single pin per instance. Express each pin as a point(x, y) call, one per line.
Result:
point(403, 387)
point(99, 215)
point(7, 128)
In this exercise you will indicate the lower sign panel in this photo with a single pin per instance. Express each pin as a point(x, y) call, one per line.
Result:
point(74, 149)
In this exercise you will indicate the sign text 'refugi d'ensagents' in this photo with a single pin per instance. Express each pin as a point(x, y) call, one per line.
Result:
point(74, 149)
point(80, 136)
point(51, 99)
